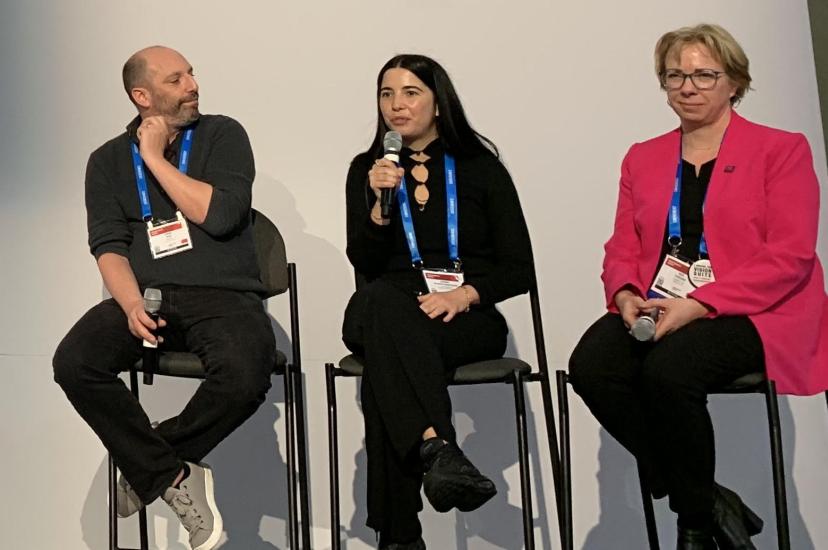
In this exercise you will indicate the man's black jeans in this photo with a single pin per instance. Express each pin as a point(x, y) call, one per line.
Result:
point(231, 334)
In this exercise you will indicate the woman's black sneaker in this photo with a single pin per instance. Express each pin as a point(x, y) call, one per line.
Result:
point(450, 480)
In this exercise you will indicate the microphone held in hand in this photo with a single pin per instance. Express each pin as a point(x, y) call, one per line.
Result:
point(644, 328)
point(152, 305)
point(391, 144)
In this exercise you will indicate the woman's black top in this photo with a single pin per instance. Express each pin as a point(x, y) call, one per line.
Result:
point(693, 191)
point(494, 244)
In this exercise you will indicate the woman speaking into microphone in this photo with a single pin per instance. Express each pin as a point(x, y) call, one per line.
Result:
point(452, 244)
point(715, 228)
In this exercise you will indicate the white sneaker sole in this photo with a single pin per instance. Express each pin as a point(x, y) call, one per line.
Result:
point(218, 525)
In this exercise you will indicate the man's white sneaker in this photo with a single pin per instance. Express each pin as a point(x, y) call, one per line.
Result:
point(127, 500)
point(195, 505)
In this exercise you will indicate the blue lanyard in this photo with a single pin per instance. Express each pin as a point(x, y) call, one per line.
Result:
point(451, 217)
point(140, 175)
point(674, 216)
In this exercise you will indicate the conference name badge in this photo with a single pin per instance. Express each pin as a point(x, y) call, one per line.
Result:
point(442, 280)
point(701, 273)
point(673, 278)
point(168, 237)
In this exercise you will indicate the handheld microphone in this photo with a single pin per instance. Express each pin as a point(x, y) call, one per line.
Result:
point(391, 144)
point(644, 328)
point(152, 305)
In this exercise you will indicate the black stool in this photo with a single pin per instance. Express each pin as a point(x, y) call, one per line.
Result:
point(506, 370)
point(279, 277)
point(751, 383)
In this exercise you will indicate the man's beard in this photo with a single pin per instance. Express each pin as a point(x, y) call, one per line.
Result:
point(180, 115)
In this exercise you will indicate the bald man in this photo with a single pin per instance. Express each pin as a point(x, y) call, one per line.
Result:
point(168, 207)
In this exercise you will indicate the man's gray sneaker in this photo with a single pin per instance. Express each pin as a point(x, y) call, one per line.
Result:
point(127, 502)
point(195, 505)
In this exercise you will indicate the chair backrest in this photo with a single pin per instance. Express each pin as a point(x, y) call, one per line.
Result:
point(270, 254)
point(537, 327)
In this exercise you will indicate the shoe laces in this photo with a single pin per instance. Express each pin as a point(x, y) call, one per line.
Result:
point(182, 504)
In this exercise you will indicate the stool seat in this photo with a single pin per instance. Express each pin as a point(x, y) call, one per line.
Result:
point(182, 364)
point(750, 383)
point(480, 372)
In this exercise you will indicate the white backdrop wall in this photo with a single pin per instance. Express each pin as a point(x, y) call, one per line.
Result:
point(562, 87)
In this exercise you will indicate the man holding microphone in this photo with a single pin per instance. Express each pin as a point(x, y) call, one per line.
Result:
point(168, 206)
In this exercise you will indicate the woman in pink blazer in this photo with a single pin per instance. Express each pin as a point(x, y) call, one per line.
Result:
point(713, 248)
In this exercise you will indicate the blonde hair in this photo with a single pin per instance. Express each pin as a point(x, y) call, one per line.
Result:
point(722, 46)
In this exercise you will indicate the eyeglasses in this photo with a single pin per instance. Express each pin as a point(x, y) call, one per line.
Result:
point(705, 79)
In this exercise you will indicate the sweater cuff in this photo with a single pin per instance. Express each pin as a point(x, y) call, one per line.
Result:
point(115, 248)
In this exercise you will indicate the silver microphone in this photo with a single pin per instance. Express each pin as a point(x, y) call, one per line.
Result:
point(391, 144)
point(152, 305)
point(644, 328)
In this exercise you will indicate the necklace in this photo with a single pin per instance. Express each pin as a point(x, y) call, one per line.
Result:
point(420, 174)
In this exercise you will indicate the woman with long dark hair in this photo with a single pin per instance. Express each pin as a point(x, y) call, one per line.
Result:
point(455, 244)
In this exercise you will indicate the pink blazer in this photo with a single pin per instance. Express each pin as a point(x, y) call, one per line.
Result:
point(760, 222)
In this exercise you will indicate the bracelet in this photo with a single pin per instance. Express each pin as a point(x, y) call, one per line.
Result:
point(468, 298)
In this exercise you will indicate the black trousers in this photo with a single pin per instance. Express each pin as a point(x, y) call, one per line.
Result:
point(652, 397)
point(231, 334)
point(408, 358)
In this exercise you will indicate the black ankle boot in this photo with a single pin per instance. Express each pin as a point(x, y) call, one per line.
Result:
point(450, 480)
point(695, 539)
point(734, 522)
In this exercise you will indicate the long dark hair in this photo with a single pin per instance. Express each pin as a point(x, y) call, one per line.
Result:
point(454, 131)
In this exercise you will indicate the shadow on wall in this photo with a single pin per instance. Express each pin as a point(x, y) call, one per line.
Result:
point(742, 463)
point(322, 269)
point(492, 447)
point(251, 473)
point(355, 528)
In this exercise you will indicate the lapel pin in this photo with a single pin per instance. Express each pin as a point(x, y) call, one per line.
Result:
point(729, 169)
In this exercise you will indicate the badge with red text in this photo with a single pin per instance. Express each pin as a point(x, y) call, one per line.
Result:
point(442, 280)
point(168, 237)
point(673, 279)
point(701, 273)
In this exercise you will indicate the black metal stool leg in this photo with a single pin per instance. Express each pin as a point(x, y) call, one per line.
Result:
point(565, 503)
point(113, 491)
point(649, 513)
point(552, 441)
point(293, 535)
point(779, 492)
point(333, 455)
point(113, 498)
point(523, 457)
point(301, 457)
point(142, 529)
